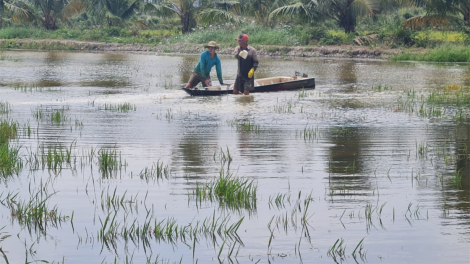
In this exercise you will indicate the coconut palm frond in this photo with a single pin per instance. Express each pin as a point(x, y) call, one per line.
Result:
point(227, 3)
point(129, 11)
point(112, 19)
point(210, 16)
point(140, 23)
point(287, 11)
point(164, 11)
point(362, 8)
point(424, 21)
point(74, 7)
point(20, 11)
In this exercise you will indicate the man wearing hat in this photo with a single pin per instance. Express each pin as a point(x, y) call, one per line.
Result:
point(201, 73)
point(247, 63)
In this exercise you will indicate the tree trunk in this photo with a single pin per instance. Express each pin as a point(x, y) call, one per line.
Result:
point(347, 19)
point(348, 23)
point(185, 21)
point(49, 22)
point(466, 16)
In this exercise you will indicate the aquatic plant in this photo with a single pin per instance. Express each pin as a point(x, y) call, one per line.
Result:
point(10, 161)
point(230, 191)
point(122, 107)
point(52, 158)
point(338, 250)
point(157, 171)
point(308, 133)
point(56, 115)
point(244, 125)
point(35, 213)
point(223, 157)
point(5, 107)
point(109, 161)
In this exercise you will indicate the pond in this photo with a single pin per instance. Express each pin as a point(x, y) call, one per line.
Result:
point(116, 164)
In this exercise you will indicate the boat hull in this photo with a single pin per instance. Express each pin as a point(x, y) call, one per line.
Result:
point(305, 83)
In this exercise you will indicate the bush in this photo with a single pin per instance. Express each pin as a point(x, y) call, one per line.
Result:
point(443, 53)
point(114, 32)
point(14, 32)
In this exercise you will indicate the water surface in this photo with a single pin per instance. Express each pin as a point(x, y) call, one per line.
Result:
point(347, 161)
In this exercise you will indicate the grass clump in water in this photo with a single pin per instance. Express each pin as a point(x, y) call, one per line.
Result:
point(10, 162)
point(124, 107)
point(34, 214)
point(233, 192)
point(109, 161)
point(5, 107)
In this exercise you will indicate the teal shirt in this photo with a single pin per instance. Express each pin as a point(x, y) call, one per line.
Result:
point(205, 65)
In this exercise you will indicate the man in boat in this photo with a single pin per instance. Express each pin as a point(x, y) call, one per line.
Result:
point(247, 63)
point(201, 73)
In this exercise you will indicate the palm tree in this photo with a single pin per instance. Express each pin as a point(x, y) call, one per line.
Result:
point(191, 11)
point(345, 12)
point(114, 11)
point(184, 9)
point(439, 12)
point(303, 10)
point(52, 10)
point(219, 11)
point(260, 9)
point(2, 8)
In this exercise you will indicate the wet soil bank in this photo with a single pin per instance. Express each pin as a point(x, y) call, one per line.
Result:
point(347, 51)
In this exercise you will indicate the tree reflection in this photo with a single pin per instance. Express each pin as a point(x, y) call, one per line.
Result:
point(347, 72)
point(346, 160)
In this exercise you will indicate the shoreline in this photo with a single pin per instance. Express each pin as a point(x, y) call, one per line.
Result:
point(345, 51)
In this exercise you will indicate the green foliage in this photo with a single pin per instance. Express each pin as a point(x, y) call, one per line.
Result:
point(23, 32)
point(443, 53)
point(337, 38)
point(10, 162)
point(8, 130)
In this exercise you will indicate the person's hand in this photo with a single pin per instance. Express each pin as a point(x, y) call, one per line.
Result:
point(207, 82)
point(251, 72)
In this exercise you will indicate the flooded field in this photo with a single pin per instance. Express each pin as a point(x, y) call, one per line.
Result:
point(104, 159)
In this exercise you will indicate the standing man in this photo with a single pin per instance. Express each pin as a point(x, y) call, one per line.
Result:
point(201, 73)
point(247, 63)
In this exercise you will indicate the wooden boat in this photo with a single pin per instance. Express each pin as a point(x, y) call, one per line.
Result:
point(272, 84)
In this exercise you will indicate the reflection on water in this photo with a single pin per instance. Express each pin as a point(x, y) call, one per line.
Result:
point(343, 161)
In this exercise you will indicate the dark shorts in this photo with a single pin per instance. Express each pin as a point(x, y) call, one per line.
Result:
point(242, 83)
point(195, 79)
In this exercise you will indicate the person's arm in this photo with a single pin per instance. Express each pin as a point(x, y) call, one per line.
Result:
point(236, 51)
point(218, 68)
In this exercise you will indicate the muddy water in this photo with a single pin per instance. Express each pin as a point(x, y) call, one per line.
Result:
point(347, 162)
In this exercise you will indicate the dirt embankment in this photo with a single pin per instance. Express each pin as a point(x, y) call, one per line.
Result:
point(189, 48)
